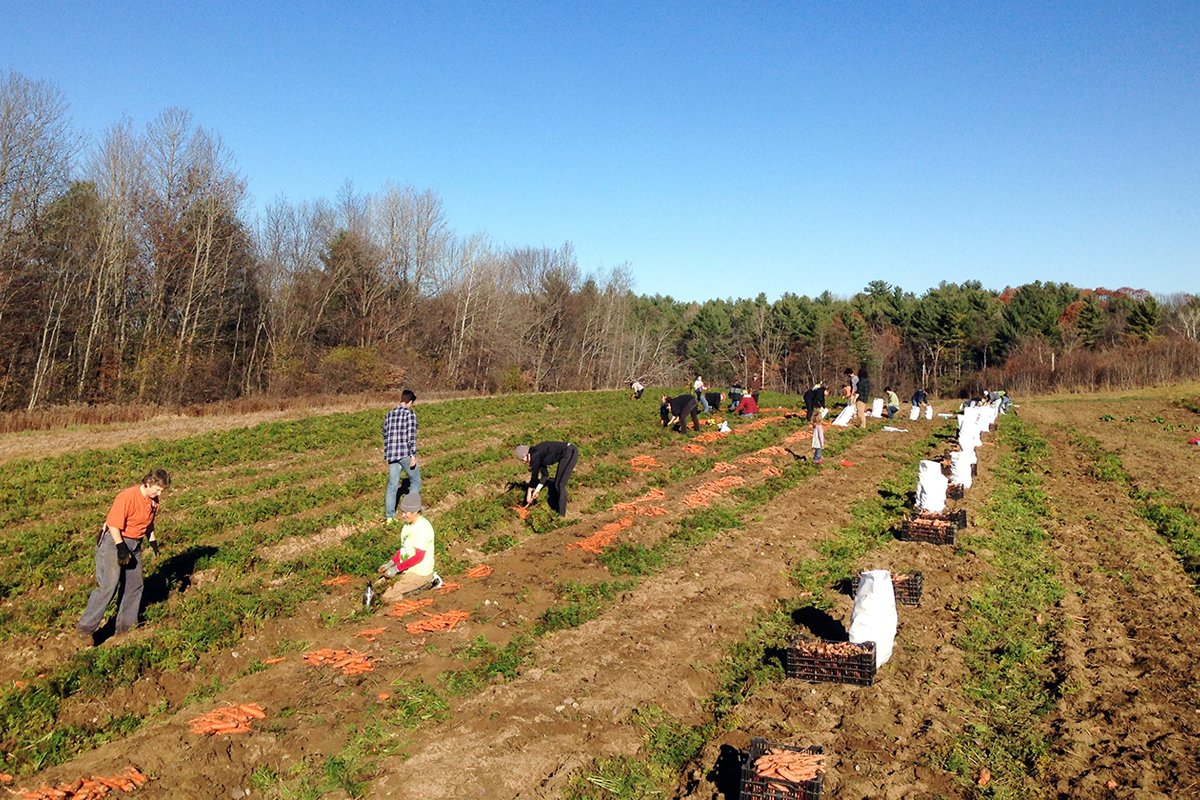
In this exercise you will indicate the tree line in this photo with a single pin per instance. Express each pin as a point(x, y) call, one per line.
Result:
point(130, 272)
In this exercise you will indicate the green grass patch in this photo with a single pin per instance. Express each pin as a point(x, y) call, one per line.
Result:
point(1009, 638)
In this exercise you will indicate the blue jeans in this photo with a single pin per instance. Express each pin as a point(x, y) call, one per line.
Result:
point(109, 576)
point(393, 485)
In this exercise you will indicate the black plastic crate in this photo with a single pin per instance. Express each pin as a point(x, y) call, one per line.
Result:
point(955, 491)
point(906, 586)
point(756, 787)
point(810, 660)
point(927, 529)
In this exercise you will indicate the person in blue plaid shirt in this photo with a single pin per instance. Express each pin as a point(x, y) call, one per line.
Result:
point(400, 451)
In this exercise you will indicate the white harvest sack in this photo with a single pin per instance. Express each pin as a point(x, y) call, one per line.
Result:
point(931, 487)
point(843, 419)
point(874, 616)
point(915, 413)
point(928, 412)
point(877, 408)
point(960, 467)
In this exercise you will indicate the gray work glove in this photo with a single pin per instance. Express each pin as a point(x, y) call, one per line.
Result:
point(388, 569)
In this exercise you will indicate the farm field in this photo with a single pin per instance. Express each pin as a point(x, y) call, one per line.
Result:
point(635, 648)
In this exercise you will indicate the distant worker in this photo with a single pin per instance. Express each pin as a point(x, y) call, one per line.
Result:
point(814, 401)
point(863, 390)
point(413, 562)
point(714, 400)
point(129, 524)
point(748, 407)
point(735, 394)
point(675, 410)
point(400, 452)
point(892, 402)
point(539, 458)
point(851, 379)
point(637, 388)
point(698, 388)
point(920, 400)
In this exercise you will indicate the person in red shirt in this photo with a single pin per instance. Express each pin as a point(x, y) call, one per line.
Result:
point(129, 525)
point(748, 407)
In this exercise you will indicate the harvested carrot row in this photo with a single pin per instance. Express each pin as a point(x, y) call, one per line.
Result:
point(479, 571)
point(350, 662)
point(724, 466)
point(522, 512)
point(649, 511)
point(369, 634)
point(448, 587)
point(703, 495)
point(773, 450)
point(406, 607)
point(437, 622)
point(275, 660)
point(644, 463)
point(708, 436)
point(772, 472)
point(694, 449)
point(229, 719)
point(89, 788)
point(754, 460)
point(603, 537)
point(631, 505)
point(340, 580)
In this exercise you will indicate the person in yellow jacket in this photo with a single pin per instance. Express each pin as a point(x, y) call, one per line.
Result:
point(412, 565)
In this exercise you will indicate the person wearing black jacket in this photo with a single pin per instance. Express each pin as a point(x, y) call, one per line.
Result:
point(675, 410)
point(814, 400)
point(864, 396)
point(539, 457)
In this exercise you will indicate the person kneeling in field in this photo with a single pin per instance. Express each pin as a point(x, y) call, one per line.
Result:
point(748, 407)
point(412, 565)
point(129, 523)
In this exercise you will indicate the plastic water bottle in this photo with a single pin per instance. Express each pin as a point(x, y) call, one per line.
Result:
point(368, 596)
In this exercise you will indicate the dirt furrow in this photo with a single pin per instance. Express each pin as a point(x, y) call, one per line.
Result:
point(661, 646)
point(1131, 712)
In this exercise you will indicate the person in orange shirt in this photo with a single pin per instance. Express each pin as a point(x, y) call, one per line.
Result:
point(129, 524)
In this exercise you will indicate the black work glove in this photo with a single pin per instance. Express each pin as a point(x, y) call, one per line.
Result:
point(124, 557)
point(153, 546)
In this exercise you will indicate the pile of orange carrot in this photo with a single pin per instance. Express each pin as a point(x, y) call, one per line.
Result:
point(603, 537)
point(724, 466)
point(229, 719)
point(694, 449)
point(478, 571)
point(89, 788)
point(772, 472)
point(350, 662)
point(340, 580)
point(631, 506)
point(707, 436)
point(704, 494)
point(754, 460)
point(448, 587)
point(369, 634)
point(773, 450)
point(406, 607)
point(644, 463)
point(522, 512)
point(437, 622)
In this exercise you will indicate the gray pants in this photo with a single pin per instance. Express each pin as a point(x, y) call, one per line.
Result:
point(110, 576)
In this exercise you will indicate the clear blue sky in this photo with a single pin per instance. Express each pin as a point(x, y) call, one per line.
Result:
point(721, 150)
